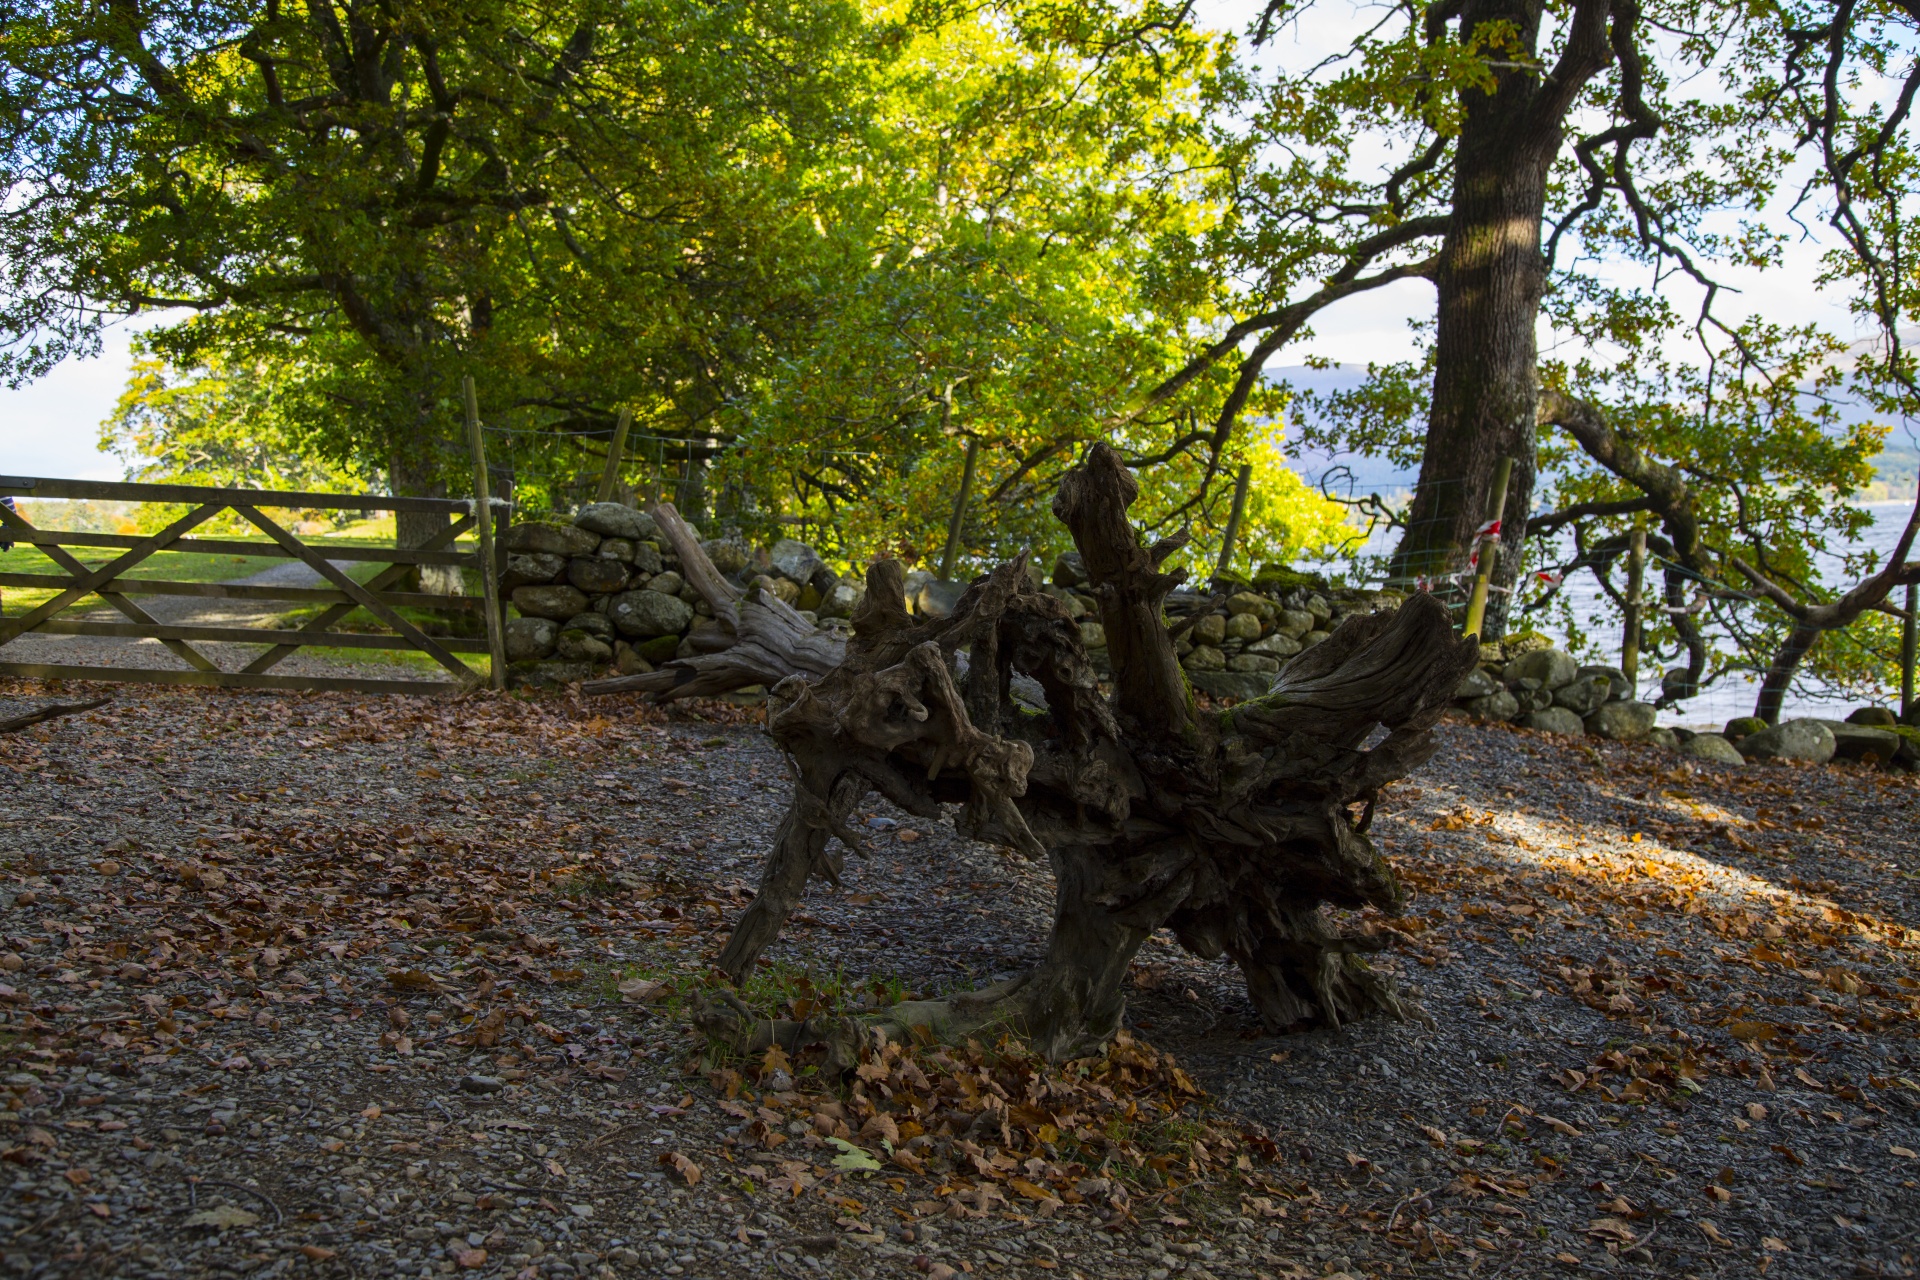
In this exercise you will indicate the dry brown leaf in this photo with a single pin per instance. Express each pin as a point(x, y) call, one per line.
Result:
point(688, 1171)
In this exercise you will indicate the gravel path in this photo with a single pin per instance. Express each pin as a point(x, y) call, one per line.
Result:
point(251, 938)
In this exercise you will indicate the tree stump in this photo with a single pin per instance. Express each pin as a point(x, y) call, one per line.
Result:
point(1236, 829)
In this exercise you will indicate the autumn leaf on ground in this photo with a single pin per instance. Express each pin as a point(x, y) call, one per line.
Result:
point(687, 1170)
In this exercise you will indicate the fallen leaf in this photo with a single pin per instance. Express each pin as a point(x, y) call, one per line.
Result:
point(222, 1217)
point(471, 1259)
point(1752, 1031)
point(1032, 1191)
point(1712, 1232)
point(1905, 1153)
point(412, 980)
point(318, 1252)
point(853, 1159)
point(689, 1171)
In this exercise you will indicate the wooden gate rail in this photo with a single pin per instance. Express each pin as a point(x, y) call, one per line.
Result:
point(341, 597)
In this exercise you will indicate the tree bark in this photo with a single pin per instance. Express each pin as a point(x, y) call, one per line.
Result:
point(416, 477)
point(1237, 829)
point(1490, 278)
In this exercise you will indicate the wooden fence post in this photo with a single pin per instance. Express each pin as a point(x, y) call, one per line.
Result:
point(1636, 581)
point(616, 452)
point(483, 520)
point(1489, 551)
point(959, 510)
point(1234, 515)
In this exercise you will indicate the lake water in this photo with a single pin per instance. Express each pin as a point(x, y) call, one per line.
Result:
point(1732, 695)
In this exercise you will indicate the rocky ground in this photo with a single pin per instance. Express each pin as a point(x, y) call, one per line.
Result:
point(339, 986)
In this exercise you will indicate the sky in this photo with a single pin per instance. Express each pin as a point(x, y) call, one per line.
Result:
point(52, 427)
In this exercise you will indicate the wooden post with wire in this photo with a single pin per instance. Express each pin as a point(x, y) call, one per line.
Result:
point(1636, 580)
point(1235, 514)
point(1489, 551)
point(1907, 624)
point(616, 453)
point(959, 510)
point(483, 520)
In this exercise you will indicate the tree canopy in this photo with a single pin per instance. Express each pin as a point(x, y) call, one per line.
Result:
point(814, 250)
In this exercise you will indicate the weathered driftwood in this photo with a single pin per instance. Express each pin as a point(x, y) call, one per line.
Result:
point(770, 640)
point(1235, 829)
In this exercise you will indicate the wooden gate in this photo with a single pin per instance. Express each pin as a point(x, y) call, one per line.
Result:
point(343, 594)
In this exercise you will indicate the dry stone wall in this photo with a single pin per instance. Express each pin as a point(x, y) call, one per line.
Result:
point(1528, 682)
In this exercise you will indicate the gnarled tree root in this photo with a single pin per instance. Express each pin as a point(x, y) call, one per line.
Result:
point(1234, 829)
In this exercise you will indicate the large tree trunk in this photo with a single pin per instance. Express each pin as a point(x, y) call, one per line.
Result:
point(1237, 829)
point(414, 476)
point(1490, 280)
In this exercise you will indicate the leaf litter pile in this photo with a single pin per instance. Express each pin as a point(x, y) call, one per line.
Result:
point(344, 986)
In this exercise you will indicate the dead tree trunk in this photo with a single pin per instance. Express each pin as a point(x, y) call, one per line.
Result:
point(1234, 828)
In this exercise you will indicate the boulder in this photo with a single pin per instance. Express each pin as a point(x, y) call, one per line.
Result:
point(646, 558)
point(1478, 684)
point(1555, 720)
point(795, 561)
point(779, 588)
point(1519, 643)
point(1093, 635)
point(1617, 686)
point(620, 549)
point(641, 614)
point(1313, 638)
point(1211, 629)
point(936, 597)
point(1853, 741)
point(595, 576)
point(1743, 726)
point(1254, 662)
point(840, 602)
point(1320, 607)
point(558, 603)
point(575, 645)
point(1069, 570)
point(532, 569)
point(591, 623)
point(729, 555)
point(1873, 717)
point(628, 662)
point(530, 639)
point(1807, 740)
point(1584, 694)
point(1247, 602)
point(1661, 736)
point(552, 674)
point(1552, 668)
point(1279, 646)
point(1713, 747)
point(1205, 658)
point(667, 584)
point(658, 649)
point(1241, 686)
point(1622, 721)
point(1293, 622)
point(547, 538)
point(1243, 626)
point(1499, 705)
point(611, 520)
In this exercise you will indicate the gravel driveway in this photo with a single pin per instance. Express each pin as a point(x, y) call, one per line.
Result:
point(1673, 1012)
